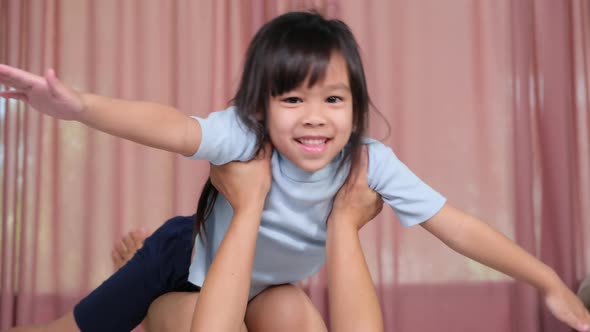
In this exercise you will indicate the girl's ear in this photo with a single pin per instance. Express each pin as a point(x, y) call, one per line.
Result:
point(259, 116)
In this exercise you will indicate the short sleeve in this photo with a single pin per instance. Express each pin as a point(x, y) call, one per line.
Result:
point(412, 200)
point(224, 138)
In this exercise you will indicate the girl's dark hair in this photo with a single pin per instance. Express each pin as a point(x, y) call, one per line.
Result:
point(282, 55)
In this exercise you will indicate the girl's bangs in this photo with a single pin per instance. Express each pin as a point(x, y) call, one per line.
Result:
point(301, 58)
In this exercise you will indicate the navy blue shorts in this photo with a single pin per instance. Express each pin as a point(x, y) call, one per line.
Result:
point(160, 266)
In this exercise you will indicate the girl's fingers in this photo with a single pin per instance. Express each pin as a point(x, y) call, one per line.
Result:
point(56, 87)
point(17, 78)
point(578, 319)
point(584, 324)
point(14, 95)
point(15, 83)
point(566, 307)
point(582, 317)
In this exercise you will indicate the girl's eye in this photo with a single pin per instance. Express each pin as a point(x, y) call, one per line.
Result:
point(292, 100)
point(333, 99)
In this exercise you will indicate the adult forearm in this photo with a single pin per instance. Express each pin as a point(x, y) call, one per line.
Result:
point(152, 124)
point(354, 305)
point(224, 296)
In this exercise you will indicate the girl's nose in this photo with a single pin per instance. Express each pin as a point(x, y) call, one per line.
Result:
point(314, 122)
point(314, 117)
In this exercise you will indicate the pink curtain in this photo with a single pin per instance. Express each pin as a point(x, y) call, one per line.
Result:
point(487, 102)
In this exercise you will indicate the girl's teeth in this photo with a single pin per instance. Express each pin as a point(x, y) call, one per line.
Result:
point(312, 141)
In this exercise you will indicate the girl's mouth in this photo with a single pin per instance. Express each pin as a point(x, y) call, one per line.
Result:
point(313, 144)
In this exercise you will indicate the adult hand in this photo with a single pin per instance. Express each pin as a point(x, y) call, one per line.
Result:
point(47, 94)
point(244, 184)
point(355, 201)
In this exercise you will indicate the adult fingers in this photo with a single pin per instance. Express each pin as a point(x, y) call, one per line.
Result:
point(358, 170)
point(265, 152)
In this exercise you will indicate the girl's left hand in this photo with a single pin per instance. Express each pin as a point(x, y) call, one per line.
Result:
point(565, 306)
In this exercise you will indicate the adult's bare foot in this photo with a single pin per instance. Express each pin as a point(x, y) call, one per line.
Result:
point(128, 246)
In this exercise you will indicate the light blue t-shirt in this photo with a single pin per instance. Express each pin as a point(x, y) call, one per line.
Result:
point(292, 233)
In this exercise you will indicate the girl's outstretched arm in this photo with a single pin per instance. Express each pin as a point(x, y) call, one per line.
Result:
point(222, 302)
point(150, 124)
point(473, 238)
point(354, 305)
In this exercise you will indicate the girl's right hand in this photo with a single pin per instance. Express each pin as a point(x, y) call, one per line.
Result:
point(46, 94)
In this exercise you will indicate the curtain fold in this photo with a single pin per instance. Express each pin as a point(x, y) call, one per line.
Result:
point(524, 299)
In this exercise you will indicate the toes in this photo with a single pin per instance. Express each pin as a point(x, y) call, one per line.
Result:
point(121, 248)
point(130, 244)
point(124, 250)
point(138, 236)
point(117, 259)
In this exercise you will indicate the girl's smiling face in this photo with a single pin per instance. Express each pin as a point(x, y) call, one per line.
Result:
point(311, 125)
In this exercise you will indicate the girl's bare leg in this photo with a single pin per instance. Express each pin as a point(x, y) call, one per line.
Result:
point(280, 308)
point(283, 308)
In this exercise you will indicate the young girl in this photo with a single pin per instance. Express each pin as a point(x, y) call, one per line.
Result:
point(303, 89)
